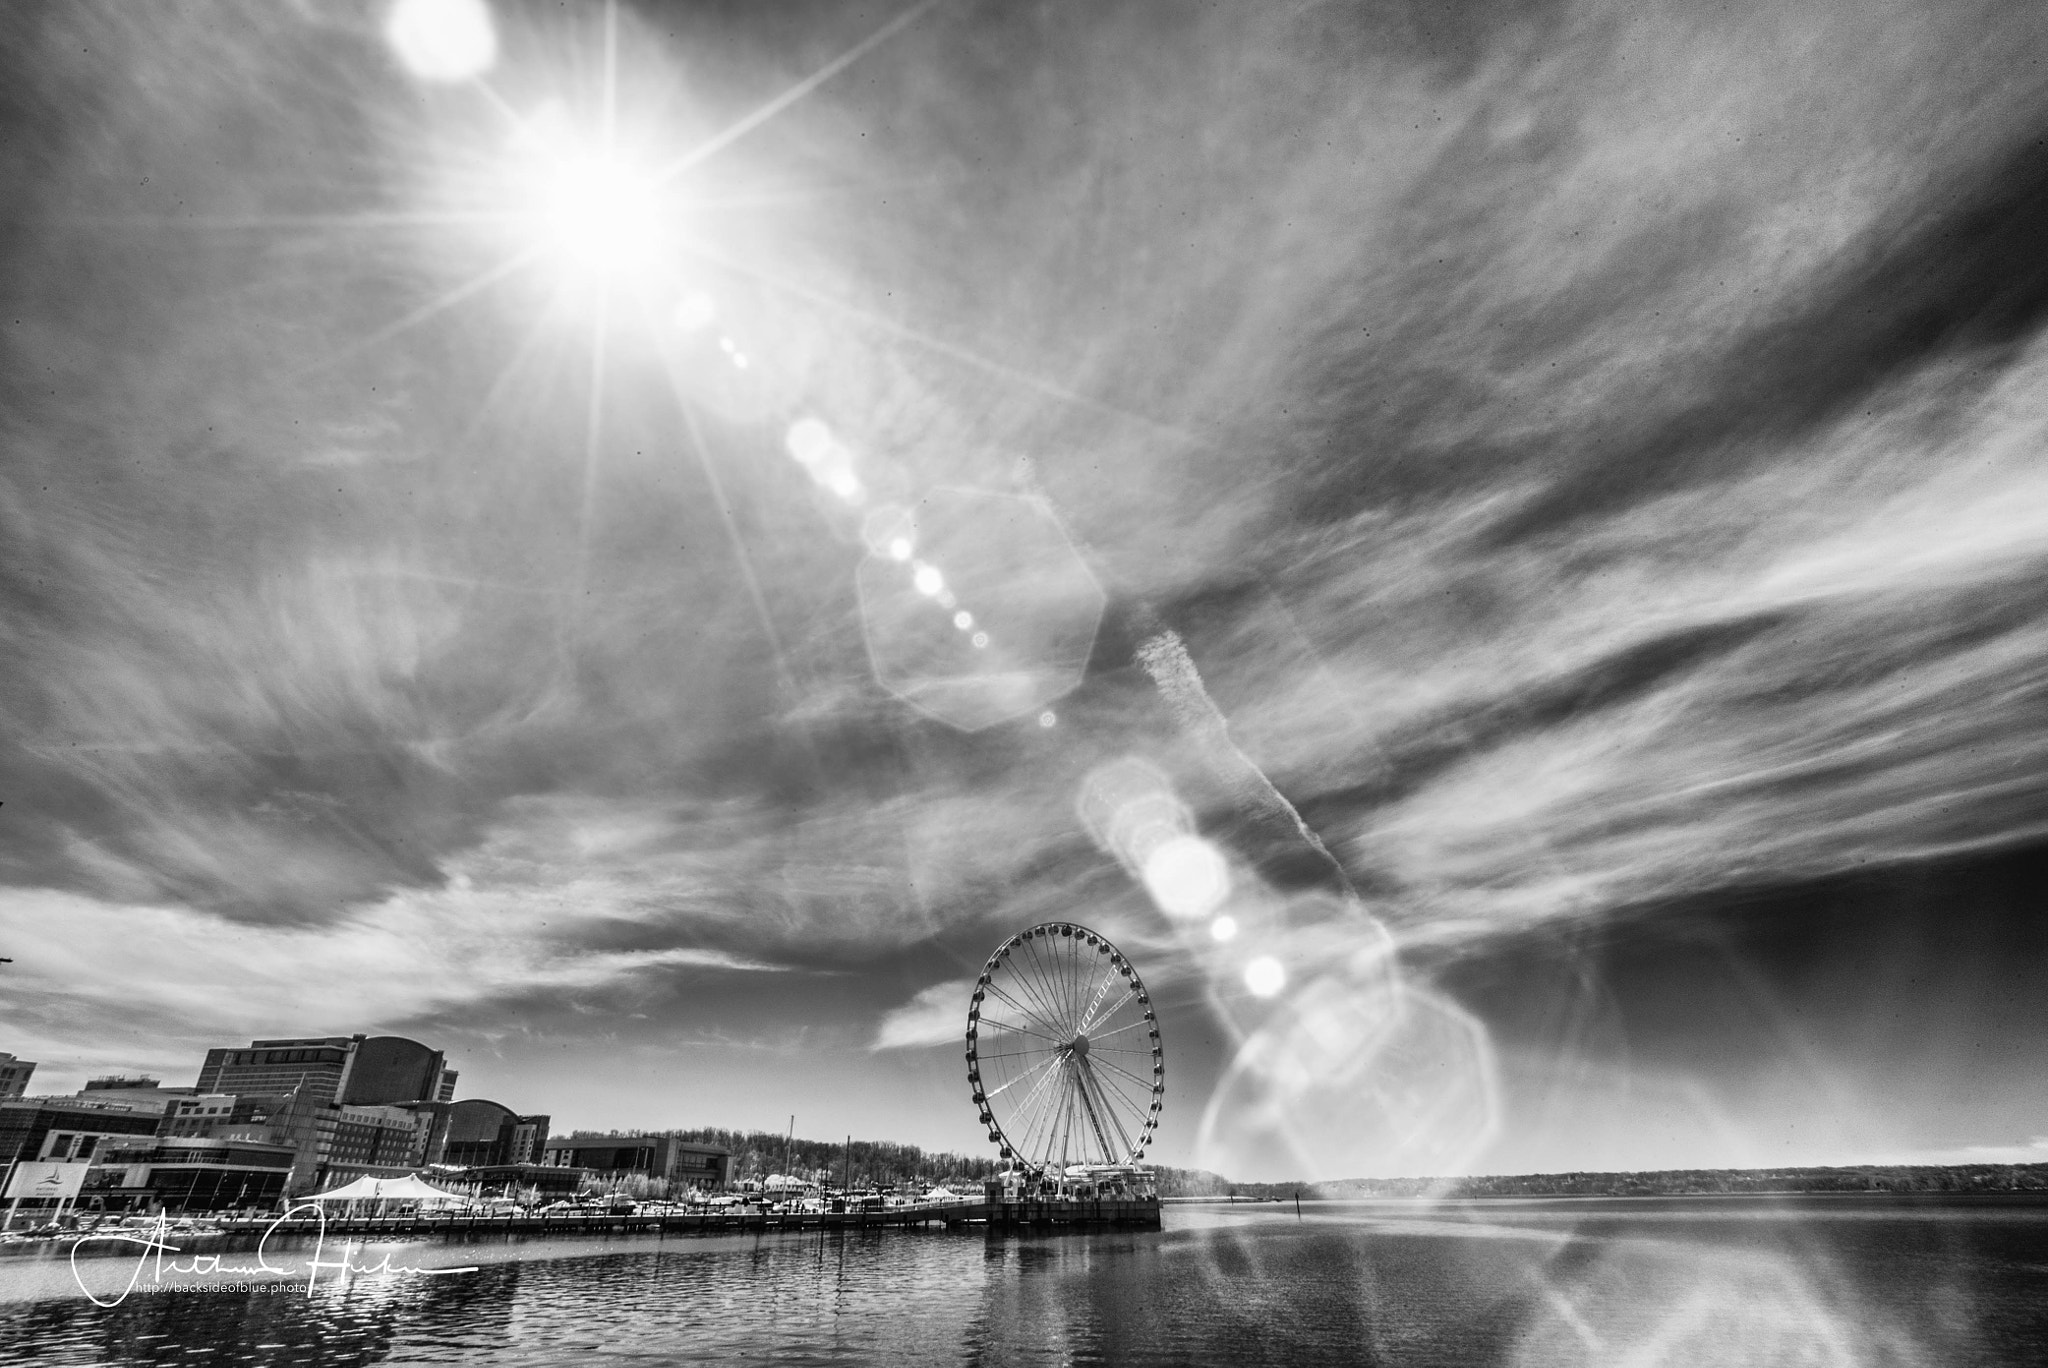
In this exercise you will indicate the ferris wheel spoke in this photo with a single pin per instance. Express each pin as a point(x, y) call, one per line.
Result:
point(1066, 1118)
point(1054, 1102)
point(1043, 1106)
point(1029, 1052)
point(1031, 984)
point(1063, 976)
point(1129, 993)
point(1067, 1109)
point(1089, 1080)
point(1101, 1118)
point(1081, 977)
point(1033, 980)
point(1102, 1080)
point(1088, 1018)
point(1048, 980)
point(1016, 1028)
point(1036, 1097)
point(1050, 1026)
point(1030, 1012)
point(1011, 1083)
point(1096, 1038)
point(1118, 1068)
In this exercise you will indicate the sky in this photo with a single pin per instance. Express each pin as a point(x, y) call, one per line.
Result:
point(636, 544)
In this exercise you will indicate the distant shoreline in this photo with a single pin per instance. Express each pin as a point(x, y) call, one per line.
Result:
point(1309, 1197)
point(1882, 1179)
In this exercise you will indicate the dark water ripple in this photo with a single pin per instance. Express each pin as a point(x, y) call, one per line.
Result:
point(1530, 1284)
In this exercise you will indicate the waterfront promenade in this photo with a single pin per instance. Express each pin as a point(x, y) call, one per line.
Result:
point(1131, 1213)
point(1140, 1214)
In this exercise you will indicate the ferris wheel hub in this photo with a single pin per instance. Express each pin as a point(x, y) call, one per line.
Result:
point(1079, 1046)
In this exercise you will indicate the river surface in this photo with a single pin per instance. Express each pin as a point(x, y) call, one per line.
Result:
point(1737, 1281)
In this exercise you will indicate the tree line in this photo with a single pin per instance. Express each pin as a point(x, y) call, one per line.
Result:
point(864, 1163)
point(1868, 1178)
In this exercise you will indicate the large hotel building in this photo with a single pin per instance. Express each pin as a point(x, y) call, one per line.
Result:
point(351, 1070)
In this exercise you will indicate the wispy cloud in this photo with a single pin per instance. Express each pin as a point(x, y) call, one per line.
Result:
point(932, 1017)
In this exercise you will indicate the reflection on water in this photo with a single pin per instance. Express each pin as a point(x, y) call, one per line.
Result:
point(1522, 1284)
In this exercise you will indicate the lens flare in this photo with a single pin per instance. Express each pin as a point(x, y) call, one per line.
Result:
point(809, 441)
point(1186, 877)
point(1130, 809)
point(890, 531)
point(1265, 976)
point(1035, 606)
point(1357, 1067)
point(442, 40)
point(696, 311)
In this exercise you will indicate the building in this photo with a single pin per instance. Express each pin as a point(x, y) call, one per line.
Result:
point(66, 1129)
point(141, 1093)
point(217, 1114)
point(361, 1070)
point(14, 1075)
point(123, 1083)
point(385, 1142)
point(187, 1174)
point(539, 1182)
point(477, 1132)
point(330, 1142)
point(345, 1105)
point(682, 1162)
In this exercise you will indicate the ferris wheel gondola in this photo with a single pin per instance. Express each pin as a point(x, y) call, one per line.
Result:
point(1063, 1051)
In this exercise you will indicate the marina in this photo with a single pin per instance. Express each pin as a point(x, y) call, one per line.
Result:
point(1130, 1213)
point(1045, 1213)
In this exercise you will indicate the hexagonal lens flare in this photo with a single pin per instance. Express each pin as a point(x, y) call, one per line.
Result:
point(1004, 561)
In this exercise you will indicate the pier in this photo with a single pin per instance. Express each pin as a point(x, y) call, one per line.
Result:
point(1133, 1213)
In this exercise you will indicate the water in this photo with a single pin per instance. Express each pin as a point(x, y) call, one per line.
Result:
point(1674, 1281)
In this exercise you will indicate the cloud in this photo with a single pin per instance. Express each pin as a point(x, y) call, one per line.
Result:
point(82, 964)
point(2033, 1151)
point(934, 1017)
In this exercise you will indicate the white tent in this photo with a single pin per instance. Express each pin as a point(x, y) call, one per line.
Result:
point(406, 1189)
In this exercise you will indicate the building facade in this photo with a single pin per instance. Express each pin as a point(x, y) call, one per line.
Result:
point(477, 1132)
point(682, 1162)
point(216, 1114)
point(187, 1174)
point(376, 1071)
point(64, 1129)
point(14, 1075)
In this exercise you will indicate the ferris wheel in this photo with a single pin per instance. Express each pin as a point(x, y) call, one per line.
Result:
point(1063, 1051)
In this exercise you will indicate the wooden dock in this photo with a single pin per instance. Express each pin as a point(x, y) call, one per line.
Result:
point(1031, 1215)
